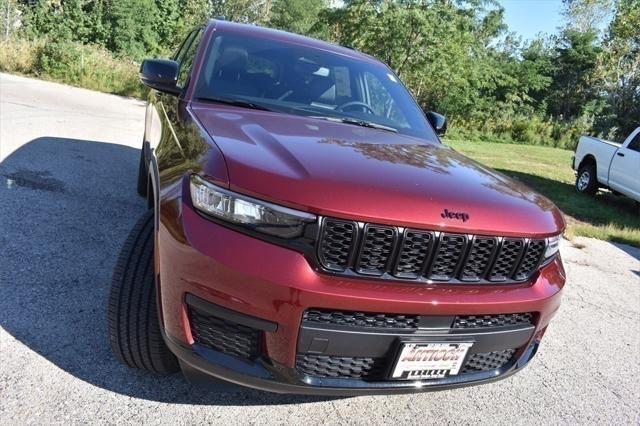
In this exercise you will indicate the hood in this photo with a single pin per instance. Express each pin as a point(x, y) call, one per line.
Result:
point(352, 172)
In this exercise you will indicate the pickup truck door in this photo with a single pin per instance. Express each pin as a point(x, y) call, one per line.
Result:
point(624, 173)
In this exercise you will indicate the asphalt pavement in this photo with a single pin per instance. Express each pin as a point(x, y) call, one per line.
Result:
point(68, 163)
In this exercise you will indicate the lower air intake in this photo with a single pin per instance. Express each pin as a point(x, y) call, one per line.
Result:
point(222, 335)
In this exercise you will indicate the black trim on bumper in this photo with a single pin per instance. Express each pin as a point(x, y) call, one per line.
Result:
point(261, 374)
point(229, 315)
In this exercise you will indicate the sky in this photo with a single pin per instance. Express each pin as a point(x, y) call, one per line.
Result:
point(530, 17)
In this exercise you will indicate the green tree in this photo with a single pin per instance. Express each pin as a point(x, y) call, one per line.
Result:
point(9, 18)
point(246, 11)
point(619, 71)
point(131, 25)
point(296, 16)
point(67, 20)
point(588, 15)
point(574, 65)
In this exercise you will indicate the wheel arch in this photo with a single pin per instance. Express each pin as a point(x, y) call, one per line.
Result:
point(588, 159)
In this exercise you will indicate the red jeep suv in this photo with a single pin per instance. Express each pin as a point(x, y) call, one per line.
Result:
point(308, 232)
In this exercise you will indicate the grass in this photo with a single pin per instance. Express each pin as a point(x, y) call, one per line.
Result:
point(87, 66)
point(548, 171)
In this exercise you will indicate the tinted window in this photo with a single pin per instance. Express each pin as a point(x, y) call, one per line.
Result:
point(290, 78)
point(184, 47)
point(635, 143)
point(187, 59)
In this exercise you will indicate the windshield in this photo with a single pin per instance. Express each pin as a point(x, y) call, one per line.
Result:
point(289, 78)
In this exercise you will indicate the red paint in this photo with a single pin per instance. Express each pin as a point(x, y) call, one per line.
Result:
point(340, 170)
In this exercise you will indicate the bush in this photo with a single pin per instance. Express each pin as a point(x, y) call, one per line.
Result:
point(17, 55)
point(87, 66)
point(521, 130)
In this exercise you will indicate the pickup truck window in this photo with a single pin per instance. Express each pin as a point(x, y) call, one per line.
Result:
point(635, 143)
point(291, 78)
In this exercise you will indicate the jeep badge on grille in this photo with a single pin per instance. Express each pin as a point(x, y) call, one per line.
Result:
point(446, 214)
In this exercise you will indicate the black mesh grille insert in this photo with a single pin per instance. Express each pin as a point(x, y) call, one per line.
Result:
point(336, 243)
point(360, 319)
point(487, 361)
point(506, 260)
point(530, 259)
point(488, 321)
point(340, 366)
point(447, 257)
point(410, 254)
point(415, 248)
point(364, 368)
point(479, 258)
point(222, 335)
point(376, 250)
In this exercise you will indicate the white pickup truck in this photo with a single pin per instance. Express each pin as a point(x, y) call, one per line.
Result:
point(601, 163)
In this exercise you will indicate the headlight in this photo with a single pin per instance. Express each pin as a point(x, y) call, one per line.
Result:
point(553, 246)
point(258, 215)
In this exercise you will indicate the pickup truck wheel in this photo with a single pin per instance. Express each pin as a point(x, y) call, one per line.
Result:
point(586, 182)
point(132, 315)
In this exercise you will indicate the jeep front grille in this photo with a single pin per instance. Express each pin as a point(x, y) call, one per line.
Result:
point(354, 248)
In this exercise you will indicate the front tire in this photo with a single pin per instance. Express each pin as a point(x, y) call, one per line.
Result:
point(132, 316)
point(142, 175)
point(587, 181)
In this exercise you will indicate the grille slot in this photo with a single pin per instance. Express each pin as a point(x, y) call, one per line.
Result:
point(487, 361)
point(360, 319)
point(490, 321)
point(447, 257)
point(222, 335)
point(482, 250)
point(530, 259)
point(415, 249)
point(377, 246)
point(509, 254)
point(336, 244)
point(392, 253)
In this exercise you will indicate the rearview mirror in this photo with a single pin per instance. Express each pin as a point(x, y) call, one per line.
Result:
point(160, 74)
point(438, 122)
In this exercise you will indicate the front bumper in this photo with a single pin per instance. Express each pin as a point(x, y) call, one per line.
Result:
point(201, 365)
point(250, 278)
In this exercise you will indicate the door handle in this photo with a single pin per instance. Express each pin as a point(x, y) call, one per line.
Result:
point(620, 154)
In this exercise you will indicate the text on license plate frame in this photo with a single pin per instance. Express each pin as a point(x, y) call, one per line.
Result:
point(429, 360)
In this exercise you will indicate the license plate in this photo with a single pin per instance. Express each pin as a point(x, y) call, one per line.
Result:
point(419, 361)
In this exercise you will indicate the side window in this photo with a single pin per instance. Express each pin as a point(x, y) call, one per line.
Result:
point(186, 62)
point(635, 143)
point(184, 46)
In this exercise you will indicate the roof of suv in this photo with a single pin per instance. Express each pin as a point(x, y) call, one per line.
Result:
point(277, 35)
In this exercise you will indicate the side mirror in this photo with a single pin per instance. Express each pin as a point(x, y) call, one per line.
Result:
point(160, 74)
point(438, 122)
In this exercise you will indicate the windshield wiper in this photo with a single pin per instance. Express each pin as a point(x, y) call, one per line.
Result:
point(357, 122)
point(235, 102)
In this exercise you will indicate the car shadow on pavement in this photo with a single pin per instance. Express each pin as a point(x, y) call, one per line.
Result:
point(633, 252)
point(66, 206)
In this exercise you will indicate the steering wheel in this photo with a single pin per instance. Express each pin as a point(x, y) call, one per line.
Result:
point(356, 103)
